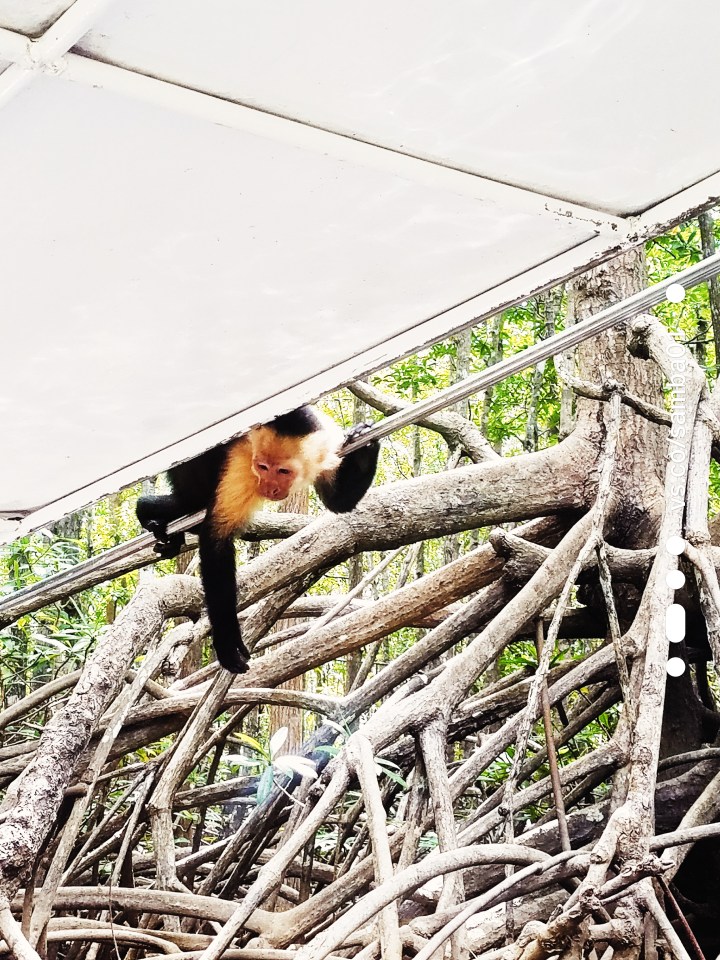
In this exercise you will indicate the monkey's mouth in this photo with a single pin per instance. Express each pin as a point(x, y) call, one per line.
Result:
point(274, 495)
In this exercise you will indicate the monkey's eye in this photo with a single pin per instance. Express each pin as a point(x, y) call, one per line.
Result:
point(283, 470)
point(262, 466)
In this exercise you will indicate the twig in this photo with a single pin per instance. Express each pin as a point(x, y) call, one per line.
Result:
point(697, 533)
point(666, 928)
point(490, 898)
point(416, 802)
point(586, 550)
point(606, 391)
point(456, 429)
point(551, 753)
point(360, 755)
point(685, 835)
point(37, 698)
point(614, 625)
point(435, 865)
point(14, 937)
point(681, 917)
point(356, 591)
point(433, 739)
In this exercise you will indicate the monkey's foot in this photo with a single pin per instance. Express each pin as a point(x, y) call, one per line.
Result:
point(235, 659)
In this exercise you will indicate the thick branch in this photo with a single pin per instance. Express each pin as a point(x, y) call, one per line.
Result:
point(454, 428)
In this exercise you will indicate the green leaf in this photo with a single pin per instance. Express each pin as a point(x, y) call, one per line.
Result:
point(252, 743)
point(384, 762)
point(392, 775)
point(48, 641)
point(343, 731)
point(265, 785)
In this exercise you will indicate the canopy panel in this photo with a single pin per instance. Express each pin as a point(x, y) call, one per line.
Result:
point(214, 210)
point(584, 101)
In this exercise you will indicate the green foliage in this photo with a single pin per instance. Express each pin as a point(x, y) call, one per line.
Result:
point(421, 375)
point(507, 411)
point(714, 488)
point(57, 639)
point(689, 321)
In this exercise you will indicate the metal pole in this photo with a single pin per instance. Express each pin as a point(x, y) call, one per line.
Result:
point(637, 303)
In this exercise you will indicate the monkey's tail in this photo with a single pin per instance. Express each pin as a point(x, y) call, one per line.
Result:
point(217, 567)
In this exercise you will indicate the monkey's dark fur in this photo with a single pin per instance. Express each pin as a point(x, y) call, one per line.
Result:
point(231, 481)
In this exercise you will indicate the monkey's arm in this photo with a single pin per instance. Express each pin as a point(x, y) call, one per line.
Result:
point(217, 567)
point(154, 514)
point(343, 488)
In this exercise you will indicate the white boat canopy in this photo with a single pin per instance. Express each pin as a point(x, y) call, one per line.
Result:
point(213, 210)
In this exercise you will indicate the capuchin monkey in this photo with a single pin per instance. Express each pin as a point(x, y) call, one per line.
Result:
point(231, 482)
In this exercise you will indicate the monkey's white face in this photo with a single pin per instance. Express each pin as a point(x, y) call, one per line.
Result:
point(275, 478)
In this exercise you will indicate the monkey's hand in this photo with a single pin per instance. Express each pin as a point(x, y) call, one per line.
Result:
point(166, 546)
point(365, 457)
